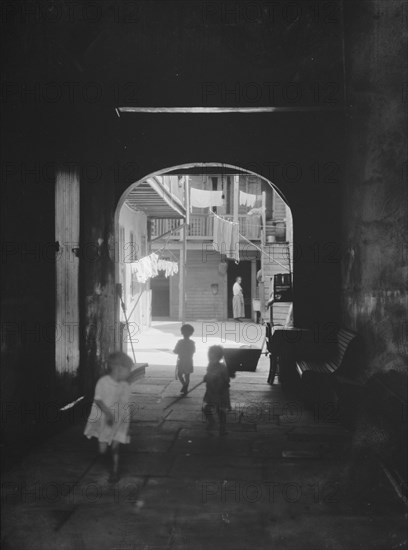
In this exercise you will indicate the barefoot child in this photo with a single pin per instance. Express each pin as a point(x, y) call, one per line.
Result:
point(217, 397)
point(110, 415)
point(185, 349)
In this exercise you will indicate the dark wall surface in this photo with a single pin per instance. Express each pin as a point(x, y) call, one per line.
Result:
point(67, 70)
point(374, 298)
point(375, 208)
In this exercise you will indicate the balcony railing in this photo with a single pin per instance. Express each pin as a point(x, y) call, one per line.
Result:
point(202, 225)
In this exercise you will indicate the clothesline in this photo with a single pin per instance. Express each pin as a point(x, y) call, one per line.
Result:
point(202, 198)
point(235, 253)
point(168, 250)
point(220, 218)
point(149, 266)
point(226, 237)
point(205, 198)
point(164, 247)
point(247, 199)
point(229, 221)
point(260, 250)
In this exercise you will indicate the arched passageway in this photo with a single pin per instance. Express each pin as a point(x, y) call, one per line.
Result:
point(166, 214)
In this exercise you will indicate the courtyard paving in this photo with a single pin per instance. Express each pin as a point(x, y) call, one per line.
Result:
point(283, 478)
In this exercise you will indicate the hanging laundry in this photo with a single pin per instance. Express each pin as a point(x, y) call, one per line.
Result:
point(148, 267)
point(226, 237)
point(234, 251)
point(137, 270)
point(154, 258)
point(247, 199)
point(172, 270)
point(253, 225)
point(200, 198)
point(145, 268)
point(169, 268)
point(140, 270)
point(222, 234)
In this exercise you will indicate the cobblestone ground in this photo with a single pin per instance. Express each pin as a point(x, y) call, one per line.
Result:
point(282, 478)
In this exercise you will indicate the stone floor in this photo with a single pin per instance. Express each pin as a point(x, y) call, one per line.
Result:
point(283, 478)
point(155, 344)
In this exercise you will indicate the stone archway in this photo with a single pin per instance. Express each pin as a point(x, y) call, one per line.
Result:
point(269, 249)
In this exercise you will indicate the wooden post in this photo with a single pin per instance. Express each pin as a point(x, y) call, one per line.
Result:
point(183, 254)
point(186, 230)
point(187, 199)
point(236, 198)
point(67, 234)
point(253, 288)
point(263, 256)
point(262, 299)
point(236, 202)
point(263, 218)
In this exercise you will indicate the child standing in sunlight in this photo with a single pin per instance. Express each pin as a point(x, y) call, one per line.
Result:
point(185, 349)
point(110, 414)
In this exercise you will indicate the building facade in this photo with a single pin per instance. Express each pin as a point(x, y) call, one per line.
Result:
point(265, 228)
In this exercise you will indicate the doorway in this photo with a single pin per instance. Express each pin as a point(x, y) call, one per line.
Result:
point(243, 269)
point(160, 287)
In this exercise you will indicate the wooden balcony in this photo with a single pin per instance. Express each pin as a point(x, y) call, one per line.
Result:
point(201, 227)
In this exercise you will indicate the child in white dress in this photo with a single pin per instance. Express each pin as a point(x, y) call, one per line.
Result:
point(110, 414)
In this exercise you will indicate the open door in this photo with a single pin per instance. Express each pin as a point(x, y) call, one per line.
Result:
point(243, 269)
point(160, 287)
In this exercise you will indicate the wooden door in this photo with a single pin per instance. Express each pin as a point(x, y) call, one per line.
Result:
point(67, 269)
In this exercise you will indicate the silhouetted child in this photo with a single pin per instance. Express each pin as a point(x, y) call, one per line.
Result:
point(185, 349)
point(217, 397)
point(110, 415)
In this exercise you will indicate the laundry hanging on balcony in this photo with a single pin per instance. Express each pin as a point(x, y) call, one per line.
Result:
point(170, 268)
point(247, 199)
point(145, 268)
point(148, 267)
point(226, 237)
point(200, 198)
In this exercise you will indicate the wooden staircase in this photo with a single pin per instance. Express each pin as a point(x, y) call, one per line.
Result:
point(275, 259)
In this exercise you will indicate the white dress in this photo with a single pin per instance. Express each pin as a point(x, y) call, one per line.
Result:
point(238, 301)
point(116, 396)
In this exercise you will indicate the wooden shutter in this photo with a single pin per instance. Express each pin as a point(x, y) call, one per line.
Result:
point(67, 270)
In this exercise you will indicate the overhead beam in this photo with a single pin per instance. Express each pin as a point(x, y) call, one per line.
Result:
point(220, 110)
